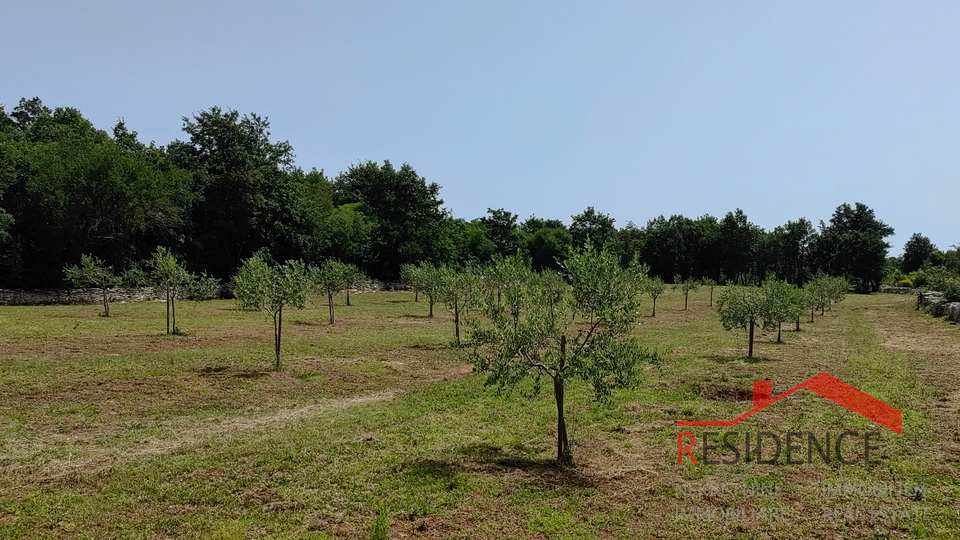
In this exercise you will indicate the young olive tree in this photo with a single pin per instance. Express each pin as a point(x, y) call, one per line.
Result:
point(741, 307)
point(654, 288)
point(533, 333)
point(409, 277)
point(92, 272)
point(329, 278)
point(353, 278)
point(711, 284)
point(457, 290)
point(170, 278)
point(782, 302)
point(261, 286)
point(427, 277)
point(685, 285)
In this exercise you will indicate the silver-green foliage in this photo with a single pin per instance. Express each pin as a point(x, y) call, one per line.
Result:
point(654, 287)
point(329, 279)
point(458, 291)
point(741, 307)
point(562, 328)
point(171, 280)
point(782, 302)
point(92, 272)
point(264, 287)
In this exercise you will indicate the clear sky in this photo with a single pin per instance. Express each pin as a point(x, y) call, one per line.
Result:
point(785, 110)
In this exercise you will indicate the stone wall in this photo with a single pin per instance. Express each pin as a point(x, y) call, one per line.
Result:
point(16, 297)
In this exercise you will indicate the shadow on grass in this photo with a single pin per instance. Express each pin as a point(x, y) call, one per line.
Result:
point(409, 316)
point(306, 323)
point(722, 359)
point(492, 459)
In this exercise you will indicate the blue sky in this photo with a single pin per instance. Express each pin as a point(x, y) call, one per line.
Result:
point(635, 108)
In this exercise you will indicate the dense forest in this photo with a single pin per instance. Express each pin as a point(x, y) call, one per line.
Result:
point(226, 191)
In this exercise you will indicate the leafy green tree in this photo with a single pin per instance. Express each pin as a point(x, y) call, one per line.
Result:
point(686, 286)
point(853, 245)
point(593, 227)
point(170, 277)
point(502, 230)
point(916, 251)
point(347, 233)
point(69, 190)
point(330, 278)
point(741, 307)
point(548, 246)
point(407, 209)
point(787, 249)
point(654, 288)
point(533, 333)
point(249, 194)
point(264, 287)
point(739, 242)
point(92, 272)
point(466, 243)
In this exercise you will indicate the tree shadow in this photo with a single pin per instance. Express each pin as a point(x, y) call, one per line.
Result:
point(306, 323)
point(534, 469)
point(722, 359)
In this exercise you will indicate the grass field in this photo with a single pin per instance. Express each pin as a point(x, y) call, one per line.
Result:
point(375, 427)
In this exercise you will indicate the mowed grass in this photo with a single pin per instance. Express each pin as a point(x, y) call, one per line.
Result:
point(109, 429)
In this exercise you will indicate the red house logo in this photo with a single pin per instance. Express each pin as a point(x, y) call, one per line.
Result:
point(823, 385)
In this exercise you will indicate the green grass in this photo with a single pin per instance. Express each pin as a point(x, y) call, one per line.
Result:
point(374, 428)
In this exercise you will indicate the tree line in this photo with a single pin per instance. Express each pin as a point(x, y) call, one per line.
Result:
point(226, 191)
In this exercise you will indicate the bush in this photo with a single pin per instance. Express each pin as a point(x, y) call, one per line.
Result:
point(952, 291)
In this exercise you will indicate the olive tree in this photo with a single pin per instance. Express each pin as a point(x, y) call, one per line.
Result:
point(172, 280)
point(457, 290)
point(92, 272)
point(533, 333)
point(782, 302)
point(654, 288)
point(264, 287)
point(685, 285)
point(741, 307)
point(329, 278)
point(711, 284)
point(353, 278)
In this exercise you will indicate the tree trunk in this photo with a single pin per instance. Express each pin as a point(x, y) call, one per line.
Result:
point(654, 314)
point(563, 443)
point(812, 310)
point(750, 349)
point(779, 328)
point(456, 322)
point(416, 295)
point(798, 322)
point(173, 310)
point(330, 305)
point(686, 294)
point(711, 296)
point(348, 296)
point(431, 306)
point(106, 305)
point(168, 310)
point(277, 330)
